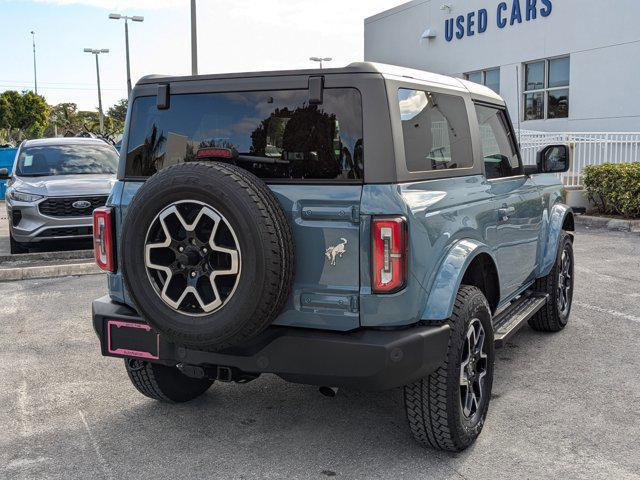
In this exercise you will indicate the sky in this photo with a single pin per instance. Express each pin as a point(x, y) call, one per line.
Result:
point(233, 35)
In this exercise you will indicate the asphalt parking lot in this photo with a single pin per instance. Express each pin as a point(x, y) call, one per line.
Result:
point(564, 405)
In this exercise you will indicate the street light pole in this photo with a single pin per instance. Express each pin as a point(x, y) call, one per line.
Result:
point(35, 74)
point(135, 18)
point(320, 60)
point(194, 40)
point(97, 52)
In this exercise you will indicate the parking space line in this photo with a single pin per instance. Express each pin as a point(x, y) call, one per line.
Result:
point(96, 447)
point(613, 313)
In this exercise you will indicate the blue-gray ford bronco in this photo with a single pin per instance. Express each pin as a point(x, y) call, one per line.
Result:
point(370, 227)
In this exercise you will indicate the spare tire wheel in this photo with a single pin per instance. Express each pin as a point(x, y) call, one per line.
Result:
point(207, 254)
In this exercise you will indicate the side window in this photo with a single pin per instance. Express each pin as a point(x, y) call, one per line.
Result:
point(498, 146)
point(436, 131)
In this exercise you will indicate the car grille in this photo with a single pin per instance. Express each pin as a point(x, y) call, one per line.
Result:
point(66, 232)
point(63, 207)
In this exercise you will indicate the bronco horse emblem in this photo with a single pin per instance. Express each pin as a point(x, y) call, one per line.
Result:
point(332, 252)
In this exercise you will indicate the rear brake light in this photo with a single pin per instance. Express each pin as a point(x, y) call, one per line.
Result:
point(389, 265)
point(103, 241)
point(214, 153)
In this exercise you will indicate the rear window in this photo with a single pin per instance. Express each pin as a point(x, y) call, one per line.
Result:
point(436, 131)
point(67, 159)
point(274, 134)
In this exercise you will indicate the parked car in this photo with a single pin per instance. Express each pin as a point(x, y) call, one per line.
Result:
point(368, 226)
point(53, 188)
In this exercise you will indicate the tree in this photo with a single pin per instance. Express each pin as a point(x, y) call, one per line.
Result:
point(119, 111)
point(26, 112)
point(65, 116)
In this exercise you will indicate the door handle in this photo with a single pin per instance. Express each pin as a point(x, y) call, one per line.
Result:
point(505, 212)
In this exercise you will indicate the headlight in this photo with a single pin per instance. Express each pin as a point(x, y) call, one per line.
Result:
point(23, 197)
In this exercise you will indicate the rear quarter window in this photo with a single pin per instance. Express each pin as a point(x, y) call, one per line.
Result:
point(273, 134)
point(436, 132)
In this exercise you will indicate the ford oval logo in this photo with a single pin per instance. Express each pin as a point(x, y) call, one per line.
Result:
point(81, 204)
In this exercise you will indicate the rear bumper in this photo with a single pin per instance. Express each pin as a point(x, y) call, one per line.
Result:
point(367, 359)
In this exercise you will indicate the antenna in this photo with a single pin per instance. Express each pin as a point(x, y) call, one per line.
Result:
point(519, 112)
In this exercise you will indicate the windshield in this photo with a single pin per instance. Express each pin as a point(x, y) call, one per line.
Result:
point(68, 159)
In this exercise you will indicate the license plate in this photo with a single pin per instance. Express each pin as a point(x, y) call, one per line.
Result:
point(132, 340)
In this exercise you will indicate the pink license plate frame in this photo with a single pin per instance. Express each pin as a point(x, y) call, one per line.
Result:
point(129, 352)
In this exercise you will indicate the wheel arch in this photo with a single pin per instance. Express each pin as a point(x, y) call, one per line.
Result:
point(561, 218)
point(470, 262)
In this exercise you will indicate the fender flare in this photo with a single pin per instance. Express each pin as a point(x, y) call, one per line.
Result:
point(447, 282)
point(557, 216)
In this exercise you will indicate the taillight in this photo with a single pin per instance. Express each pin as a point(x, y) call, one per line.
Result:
point(103, 241)
point(389, 241)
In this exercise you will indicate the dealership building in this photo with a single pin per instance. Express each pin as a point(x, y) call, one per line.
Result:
point(561, 65)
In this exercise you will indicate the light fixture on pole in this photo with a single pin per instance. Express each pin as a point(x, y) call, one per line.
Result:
point(134, 18)
point(194, 40)
point(320, 60)
point(35, 75)
point(96, 52)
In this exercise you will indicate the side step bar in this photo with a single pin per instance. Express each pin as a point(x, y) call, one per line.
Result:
point(509, 321)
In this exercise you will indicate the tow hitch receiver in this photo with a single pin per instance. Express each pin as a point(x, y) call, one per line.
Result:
point(217, 372)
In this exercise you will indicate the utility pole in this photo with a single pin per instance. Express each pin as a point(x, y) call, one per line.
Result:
point(194, 40)
point(135, 18)
point(35, 74)
point(97, 52)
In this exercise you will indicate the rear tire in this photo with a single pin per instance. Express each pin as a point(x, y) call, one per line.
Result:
point(165, 384)
point(554, 316)
point(17, 247)
point(434, 405)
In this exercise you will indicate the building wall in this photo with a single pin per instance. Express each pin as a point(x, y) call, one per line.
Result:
point(602, 38)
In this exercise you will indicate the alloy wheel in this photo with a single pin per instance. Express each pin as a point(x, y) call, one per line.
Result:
point(473, 369)
point(192, 257)
point(565, 283)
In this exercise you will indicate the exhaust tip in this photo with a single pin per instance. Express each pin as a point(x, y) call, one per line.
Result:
point(328, 391)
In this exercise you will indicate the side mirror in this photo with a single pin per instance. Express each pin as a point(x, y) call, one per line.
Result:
point(4, 174)
point(554, 159)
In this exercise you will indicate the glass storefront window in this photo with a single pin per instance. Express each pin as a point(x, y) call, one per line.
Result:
point(559, 72)
point(534, 76)
point(489, 78)
point(546, 89)
point(558, 103)
point(534, 106)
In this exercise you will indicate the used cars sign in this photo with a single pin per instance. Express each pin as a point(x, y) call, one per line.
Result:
point(506, 14)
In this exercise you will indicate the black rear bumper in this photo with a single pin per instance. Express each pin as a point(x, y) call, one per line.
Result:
point(367, 359)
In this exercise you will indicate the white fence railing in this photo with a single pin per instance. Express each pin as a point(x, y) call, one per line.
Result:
point(591, 148)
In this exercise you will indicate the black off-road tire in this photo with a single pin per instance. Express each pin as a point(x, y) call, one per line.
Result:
point(17, 247)
point(550, 318)
point(433, 404)
point(264, 235)
point(163, 383)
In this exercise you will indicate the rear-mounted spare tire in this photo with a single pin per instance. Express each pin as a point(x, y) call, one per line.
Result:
point(207, 254)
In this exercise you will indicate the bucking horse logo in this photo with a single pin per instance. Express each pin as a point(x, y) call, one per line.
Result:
point(336, 252)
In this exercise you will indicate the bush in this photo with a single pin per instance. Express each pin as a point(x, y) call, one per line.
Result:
point(614, 188)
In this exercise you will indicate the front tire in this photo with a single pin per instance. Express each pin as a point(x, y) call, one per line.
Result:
point(447, 409)
point(554, 316)
point(163, 383)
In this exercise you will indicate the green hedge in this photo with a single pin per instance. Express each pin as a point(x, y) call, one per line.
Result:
point(614, 188)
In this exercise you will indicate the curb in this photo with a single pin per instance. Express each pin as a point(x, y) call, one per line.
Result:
point(48, 271)
point(40, 256)
point(614, 224)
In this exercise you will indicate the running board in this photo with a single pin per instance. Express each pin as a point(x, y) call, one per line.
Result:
point(507, 323)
